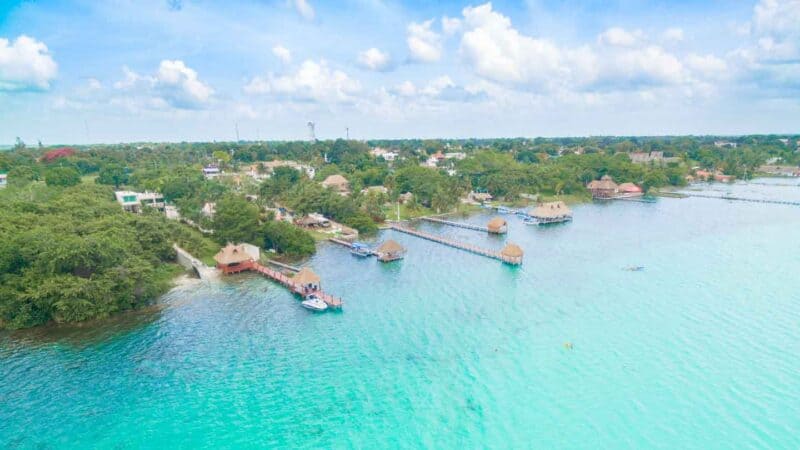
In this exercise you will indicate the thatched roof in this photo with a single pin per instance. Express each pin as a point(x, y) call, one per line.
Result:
point(306, 276)
point(390, 246)
point(232, 254)
point(606, 183)
point(550, 210)
point(336, 180)
point(496, 223)
point(512, 251)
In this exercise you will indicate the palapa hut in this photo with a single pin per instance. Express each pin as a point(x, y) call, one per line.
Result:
point(233, 259)
point(603, 188)
point(630, 190)
point(390, 251)
point(338, 183)
point(512, 254)
point(551, 212)
point(307, 279)
point(497, 225)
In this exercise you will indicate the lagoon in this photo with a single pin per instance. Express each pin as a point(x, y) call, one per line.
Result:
point(448, 349)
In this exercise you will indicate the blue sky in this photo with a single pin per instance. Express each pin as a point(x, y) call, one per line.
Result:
point(172, 70)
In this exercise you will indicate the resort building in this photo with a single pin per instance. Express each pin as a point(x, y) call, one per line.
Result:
point(497, 225)
point(307, 280)
point(338, 183)
point(133, 201)
point(3, 180)
point(479, 197)
point(375, 189)
point(390, 251)
point(551, 212)
point(512, 254)
point(627, 190)
point(211, 171)
point(234, 259)
point(405, 198)
point(603, 188)
point(313, 220)
point(387, 155)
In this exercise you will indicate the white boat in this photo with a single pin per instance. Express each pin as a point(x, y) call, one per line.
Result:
point(530, 221)
point(314, 303)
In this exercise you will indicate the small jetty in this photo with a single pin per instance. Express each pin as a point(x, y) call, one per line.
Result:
point(495, 226)
point(743, 199)
point(283, 266)
point(355, 247)
point(511, 254)
point(244, 258)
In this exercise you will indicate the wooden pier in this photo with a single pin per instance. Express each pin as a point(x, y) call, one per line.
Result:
point(330, 300)
point(459, 245)
point(283, 266)
point(742, 199)
point(468, 226)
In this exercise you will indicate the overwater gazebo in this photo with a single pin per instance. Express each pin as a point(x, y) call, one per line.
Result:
point(497, 225)
point(390, 251)
point(512, 254)
point(307, 279)
point(551, 212)
point(233, 259)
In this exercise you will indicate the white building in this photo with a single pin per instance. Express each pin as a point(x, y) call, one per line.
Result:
point(387, 155)
point(209, 209)
point(211, 172)
point(723, 144)
point(263, 170)
point(455, 155)
point(133, 201)
point(3, 180)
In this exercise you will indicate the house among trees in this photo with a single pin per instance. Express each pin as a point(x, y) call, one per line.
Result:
point(133, 201)
point(338, 183)
point(479, 197)
point(3, 180)
point(551, 212)
point(405, 198)
point(234, 259)
point(497, 225)
point(604, 188)
point(314, 221)
point(390, 251)
point(211, 171)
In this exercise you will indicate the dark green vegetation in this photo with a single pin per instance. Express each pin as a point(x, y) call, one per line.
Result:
point(71, 254)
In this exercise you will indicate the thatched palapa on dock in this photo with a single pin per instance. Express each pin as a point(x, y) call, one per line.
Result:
point(390, 251)
point(497, 225)
point(307, 279)
point(551, 212)
point(512, 253)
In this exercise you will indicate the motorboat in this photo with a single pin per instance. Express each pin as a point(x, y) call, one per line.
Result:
point(361, 250)
point(530, 221)
point(314, 303)
point(503, 210)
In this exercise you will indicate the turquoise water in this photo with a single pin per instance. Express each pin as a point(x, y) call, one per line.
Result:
point(446, 349)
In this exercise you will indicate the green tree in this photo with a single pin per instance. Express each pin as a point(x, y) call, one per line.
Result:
point(62, 176)
point(235, 220)
point(288, 239)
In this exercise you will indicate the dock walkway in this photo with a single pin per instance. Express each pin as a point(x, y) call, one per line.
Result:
point(330, 300)
point(349, 245)
point(468, 226)
point(742, 199)
point(451, 243)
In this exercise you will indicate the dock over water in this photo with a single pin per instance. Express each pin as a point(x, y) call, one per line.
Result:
point(509, 259)
point(468, 226)
point(743, 199)
point(330, 300)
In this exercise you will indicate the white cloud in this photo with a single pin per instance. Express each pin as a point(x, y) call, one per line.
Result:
point(709, 66)
point(25, 63)
point(776, 25)
point(673, 35)
point(174, 84)
point(451, 26)
point(424, 44)
point(374, 59)
point(304, 8)
point(620, 37)
point(313, 81)
point(405, 89)
point(94, 84)
point(283, 53)
point(180, 86)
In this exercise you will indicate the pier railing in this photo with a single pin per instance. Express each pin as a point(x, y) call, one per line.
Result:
point(468, 226)
point(455, 244)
